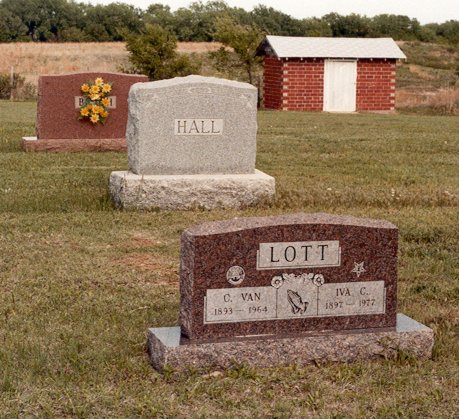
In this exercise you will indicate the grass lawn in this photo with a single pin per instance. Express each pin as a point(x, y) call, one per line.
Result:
point(80, 283)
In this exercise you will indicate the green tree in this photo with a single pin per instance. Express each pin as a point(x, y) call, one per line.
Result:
point(389, 25)
point(113, 22)
point(160, 14)
point(44, 19)
point(316, 27)
point(449, 31)
point(73, 34)
point(244, 40)
point(273, 22)
point(353, 25)
point(11, 26)
point(197, 22)
point(154, 53)
point(396, 26)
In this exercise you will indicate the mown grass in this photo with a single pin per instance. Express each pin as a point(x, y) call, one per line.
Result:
point(80, 282)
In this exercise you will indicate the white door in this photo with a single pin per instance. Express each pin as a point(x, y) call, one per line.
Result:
point(340, 79)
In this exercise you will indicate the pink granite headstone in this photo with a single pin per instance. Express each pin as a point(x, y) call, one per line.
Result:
point(58, 125)
point(286, 275)
point(289, 289)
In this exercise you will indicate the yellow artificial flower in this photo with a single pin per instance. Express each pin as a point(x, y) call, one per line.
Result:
point(84, 111)
point(94, 118)
point(98, 93)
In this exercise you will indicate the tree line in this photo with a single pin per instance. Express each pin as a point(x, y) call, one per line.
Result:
point(69, 21)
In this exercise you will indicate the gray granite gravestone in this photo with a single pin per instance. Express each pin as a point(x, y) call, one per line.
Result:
point(191, 143)
point(288, 289)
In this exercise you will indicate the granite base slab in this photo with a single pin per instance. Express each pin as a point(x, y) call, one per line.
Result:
point(167, 348)
point(73, 145)
point(185, 192)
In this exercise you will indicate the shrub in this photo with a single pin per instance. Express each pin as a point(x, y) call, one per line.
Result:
point(154, 53)
point(244, 40)
point(15, 87)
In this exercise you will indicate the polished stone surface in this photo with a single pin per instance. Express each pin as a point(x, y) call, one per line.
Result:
point(58, 114)
point(266, 275)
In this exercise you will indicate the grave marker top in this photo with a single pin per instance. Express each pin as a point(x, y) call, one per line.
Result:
point(287, 275)
point(192, 125)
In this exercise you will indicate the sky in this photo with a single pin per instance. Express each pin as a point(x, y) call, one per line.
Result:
point(426, 11)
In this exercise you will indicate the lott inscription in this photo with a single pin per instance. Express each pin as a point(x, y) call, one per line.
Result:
point(198, 126)
point(293, 296)
point(313, 254)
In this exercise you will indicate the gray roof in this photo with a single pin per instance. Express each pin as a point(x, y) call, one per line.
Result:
point(302, 47)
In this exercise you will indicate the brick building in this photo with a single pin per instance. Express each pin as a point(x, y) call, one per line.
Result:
point(329, 74)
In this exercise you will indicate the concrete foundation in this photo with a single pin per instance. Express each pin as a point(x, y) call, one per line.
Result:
point(74, 145)
point(185, 192)
point(167, 347)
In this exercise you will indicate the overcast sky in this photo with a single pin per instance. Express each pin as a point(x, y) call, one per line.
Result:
point(425, 11)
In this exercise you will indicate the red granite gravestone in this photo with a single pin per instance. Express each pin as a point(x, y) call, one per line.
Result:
point(287, 275)
point(58, 125)
point(287, 289)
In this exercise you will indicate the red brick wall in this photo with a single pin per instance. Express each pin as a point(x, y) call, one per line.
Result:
point(375, 85)
point(298, 85)
point(272, 83)
point(303, 86)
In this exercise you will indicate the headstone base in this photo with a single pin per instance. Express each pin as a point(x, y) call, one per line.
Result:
point(184, 192)
point(410, 337)
point(74, 145)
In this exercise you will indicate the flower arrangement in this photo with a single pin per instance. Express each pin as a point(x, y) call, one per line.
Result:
point(96, 101)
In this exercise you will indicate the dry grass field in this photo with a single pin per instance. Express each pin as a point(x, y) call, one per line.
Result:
point(33, 59)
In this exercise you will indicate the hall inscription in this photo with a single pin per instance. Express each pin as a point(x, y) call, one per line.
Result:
point(198, 126)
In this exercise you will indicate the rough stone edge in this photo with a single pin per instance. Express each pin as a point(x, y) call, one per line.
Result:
point(243, 223)
point(73, 145)
point(193, 79)
point(165, 352)
point(186, 192)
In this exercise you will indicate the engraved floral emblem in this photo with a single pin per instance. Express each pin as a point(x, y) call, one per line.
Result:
point(235, 275)
point(277, 281)
point(358, 268)
point(302, 277)
point(318, 280)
